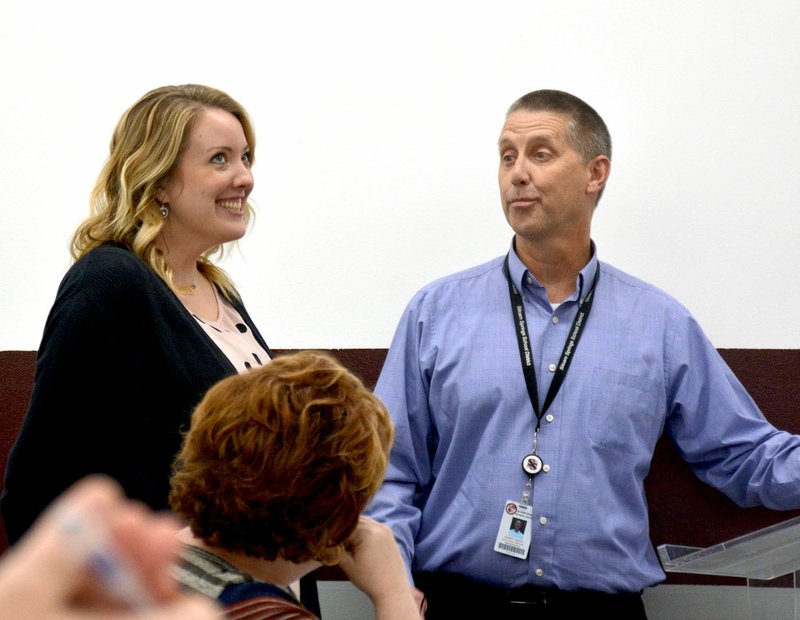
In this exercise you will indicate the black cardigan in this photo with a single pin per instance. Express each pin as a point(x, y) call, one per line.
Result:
point(121, 366)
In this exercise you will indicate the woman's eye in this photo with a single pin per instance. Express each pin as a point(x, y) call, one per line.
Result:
point(219, 158)
point(246, 158)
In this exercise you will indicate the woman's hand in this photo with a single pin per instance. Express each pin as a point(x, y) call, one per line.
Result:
point(374, 564)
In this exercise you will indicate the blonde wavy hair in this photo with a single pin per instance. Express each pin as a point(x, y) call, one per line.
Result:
point(280, 461)
point(145, 146)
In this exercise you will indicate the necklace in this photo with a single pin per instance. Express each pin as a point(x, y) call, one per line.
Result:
point(194, 284)
point(188, 289)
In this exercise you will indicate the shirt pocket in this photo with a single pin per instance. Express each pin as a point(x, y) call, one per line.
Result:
point(625, 415)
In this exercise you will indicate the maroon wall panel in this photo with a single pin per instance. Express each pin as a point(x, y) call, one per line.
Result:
point(683, 510)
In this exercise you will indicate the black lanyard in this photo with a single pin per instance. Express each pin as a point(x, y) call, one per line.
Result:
point(525, 353)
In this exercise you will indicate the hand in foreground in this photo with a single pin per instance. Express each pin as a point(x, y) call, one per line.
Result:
point(374, 564)
point(95, 555)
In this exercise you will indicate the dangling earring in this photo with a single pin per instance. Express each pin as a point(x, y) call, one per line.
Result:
point(164, 211)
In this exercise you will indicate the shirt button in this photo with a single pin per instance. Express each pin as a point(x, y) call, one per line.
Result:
point(543, 520)
point(551, 368)
point(545, 468)
point(555, 319)
point(530, 280)
point(539, 572)
point(549, 417)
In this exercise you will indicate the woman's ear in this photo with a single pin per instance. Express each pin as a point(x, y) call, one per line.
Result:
point(161, 193)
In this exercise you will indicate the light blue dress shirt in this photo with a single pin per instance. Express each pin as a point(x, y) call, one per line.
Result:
point(454, 385)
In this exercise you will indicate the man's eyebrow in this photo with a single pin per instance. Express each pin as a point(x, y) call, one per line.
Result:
point(532, 141)
point(503, 141)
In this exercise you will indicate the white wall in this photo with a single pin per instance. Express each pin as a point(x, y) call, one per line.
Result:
point(377, 126)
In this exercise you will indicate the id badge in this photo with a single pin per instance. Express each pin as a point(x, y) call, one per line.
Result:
point(514, 534)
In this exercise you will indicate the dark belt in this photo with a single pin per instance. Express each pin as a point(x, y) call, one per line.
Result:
point(448, 592)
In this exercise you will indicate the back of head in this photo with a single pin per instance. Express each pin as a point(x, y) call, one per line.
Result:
point(280, 461)
point(586, 130)
point(144, 149)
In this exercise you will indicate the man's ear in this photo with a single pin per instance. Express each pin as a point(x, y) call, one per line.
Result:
point(599, 169)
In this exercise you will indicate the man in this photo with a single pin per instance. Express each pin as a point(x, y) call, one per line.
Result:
point(536, 386)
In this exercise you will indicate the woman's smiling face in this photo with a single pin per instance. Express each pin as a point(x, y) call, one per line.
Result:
point(208, 188)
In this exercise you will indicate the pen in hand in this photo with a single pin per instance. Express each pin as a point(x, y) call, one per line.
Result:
point(88, 538)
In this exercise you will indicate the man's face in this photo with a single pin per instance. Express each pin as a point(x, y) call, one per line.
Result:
point(544, 182)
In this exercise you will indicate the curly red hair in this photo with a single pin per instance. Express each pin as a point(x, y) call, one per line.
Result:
point(281, 460)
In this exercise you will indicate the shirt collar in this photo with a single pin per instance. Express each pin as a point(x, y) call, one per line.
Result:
point(520, 273)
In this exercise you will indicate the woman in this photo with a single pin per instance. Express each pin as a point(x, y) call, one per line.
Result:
point(143, 322)
point(272, 477)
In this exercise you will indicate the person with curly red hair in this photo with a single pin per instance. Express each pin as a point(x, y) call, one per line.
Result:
point(272, 478)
